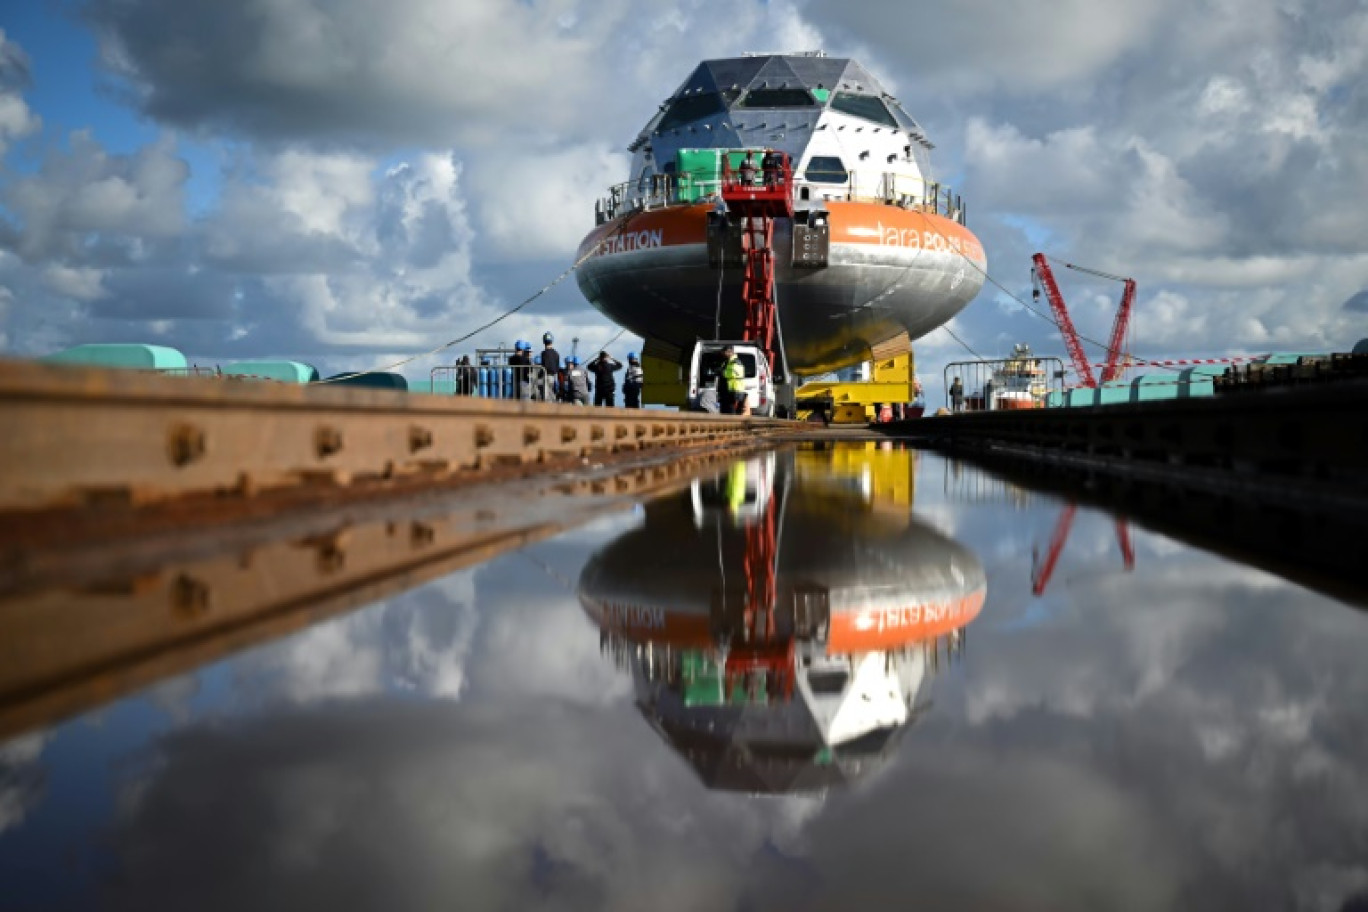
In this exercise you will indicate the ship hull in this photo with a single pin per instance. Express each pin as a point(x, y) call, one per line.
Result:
point(890, 270)
point(666, 582)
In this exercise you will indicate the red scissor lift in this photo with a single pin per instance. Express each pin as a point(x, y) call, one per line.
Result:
point(758, 655)
point(757, 205)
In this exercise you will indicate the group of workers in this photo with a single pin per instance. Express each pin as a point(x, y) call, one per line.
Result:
point(771, 168)
point(556, 380)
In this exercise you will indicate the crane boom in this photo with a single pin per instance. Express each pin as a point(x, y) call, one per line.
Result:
point(1118, 333)
point(1112, 367)
point(1045, 276)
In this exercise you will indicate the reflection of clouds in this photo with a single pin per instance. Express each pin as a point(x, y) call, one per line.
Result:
point(964, 827)
point(423, 804)
point(1226, 700)
point(21, 778)
point(174, 695)
point(1186, 736)
point(420, 641)
point(535, 639)
point(432, 655)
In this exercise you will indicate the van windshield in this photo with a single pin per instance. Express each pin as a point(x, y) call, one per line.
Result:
point(710, 365)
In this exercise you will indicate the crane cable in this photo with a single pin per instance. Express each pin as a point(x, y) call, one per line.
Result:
point(946, 327)
point(494, 322)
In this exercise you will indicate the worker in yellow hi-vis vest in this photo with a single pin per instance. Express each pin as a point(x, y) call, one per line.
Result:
point(733, 400)
point(736, 487)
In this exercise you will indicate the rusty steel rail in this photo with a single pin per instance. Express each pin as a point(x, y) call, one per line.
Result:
point(88, 624)
point(74, 437)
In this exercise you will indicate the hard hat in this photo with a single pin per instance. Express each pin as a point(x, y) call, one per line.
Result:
point(631, 356)
point(517, 346)
point(572, 361)
point(547, 339)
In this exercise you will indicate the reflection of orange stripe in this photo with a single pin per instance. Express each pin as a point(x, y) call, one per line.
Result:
point(855, 631)
point(889, 628)
point(871, 224)
point(686, 631)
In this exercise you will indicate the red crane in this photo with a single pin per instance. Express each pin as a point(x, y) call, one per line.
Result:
point(1041, 571)
point(1044, 277)
point(757, 206)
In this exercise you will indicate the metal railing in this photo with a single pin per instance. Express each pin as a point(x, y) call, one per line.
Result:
point(1003, 383)
point(890, 188)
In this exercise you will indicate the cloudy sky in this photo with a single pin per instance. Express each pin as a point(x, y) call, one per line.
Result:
point(350, 181)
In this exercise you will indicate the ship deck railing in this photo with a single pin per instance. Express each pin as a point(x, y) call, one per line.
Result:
point(660, 191)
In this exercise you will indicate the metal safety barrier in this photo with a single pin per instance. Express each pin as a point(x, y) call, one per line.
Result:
point(1003, 383)
point(493, 381)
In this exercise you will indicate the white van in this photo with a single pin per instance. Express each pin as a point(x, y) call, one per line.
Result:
point(742, 493)
point(706, 365)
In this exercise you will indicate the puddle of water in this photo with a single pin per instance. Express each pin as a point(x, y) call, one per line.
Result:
point(821, 680)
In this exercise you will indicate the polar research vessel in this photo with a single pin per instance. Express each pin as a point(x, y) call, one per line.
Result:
point(782, 623)
point(868, 247)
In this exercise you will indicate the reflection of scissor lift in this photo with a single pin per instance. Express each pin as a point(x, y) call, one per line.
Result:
point(761, 655)
point(1041, 571)
point(759, 643)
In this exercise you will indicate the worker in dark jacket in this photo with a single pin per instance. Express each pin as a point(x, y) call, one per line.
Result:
point(605, 384)
point(551, 363)
point(465, 377)
point(632, 382)
point(748, 170)
point(769, 166)
point(521, 362)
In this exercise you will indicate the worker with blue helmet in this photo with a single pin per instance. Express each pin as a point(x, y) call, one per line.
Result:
point(521, 363)
point(632, 382)
point(577, 388)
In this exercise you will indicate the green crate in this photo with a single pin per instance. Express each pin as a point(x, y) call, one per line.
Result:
point(134, 357)
point(284, 371)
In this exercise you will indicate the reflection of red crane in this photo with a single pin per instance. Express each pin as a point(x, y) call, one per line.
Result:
point(1044, 276)
point(1041, 571)
point(757, 649)
point(758, 206)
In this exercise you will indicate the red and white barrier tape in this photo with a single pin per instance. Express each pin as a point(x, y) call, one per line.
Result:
point(1185, 361)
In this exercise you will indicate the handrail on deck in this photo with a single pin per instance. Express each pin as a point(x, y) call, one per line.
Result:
point(890, 188)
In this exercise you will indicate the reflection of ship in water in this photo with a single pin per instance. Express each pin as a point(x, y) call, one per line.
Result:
point(780, 621)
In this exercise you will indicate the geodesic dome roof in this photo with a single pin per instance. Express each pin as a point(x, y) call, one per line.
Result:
point(728, 97)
